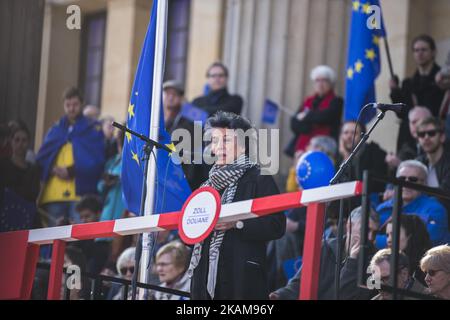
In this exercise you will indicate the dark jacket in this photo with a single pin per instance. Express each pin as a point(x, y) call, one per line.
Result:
point(326, 291)
point(242, 268)
point(372, 158)
point(219, 100)
point(442, 173)
point(330, 117)
point(442, 169)
point(195, 173)
point(428, 94)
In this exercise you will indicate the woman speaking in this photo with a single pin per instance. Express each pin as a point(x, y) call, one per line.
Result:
point(231, 262)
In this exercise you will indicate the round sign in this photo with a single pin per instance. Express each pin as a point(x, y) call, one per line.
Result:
point(199, 215)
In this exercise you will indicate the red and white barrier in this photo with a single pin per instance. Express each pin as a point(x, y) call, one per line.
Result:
point(27, 242)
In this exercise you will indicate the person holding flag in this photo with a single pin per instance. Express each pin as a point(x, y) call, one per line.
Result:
point(71, 158)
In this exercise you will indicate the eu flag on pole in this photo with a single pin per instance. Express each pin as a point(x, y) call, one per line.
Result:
point(363, 64)
point(172, 188)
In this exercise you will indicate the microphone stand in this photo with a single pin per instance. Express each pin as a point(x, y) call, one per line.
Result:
point(337, 177)
point(147, 149)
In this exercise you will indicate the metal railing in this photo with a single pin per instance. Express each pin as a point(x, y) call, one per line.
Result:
point(396, 214)
point(97, 283)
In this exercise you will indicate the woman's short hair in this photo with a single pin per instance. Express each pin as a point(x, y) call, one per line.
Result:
point(323, 71)
point(437, 258)
point(325, 143)
point(177, 250)
point(126, 256)
point(415, 164)
point(230, 120)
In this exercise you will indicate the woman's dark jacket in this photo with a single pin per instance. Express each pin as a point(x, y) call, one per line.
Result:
point(242, 268)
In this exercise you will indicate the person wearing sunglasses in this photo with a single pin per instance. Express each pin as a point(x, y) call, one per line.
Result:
point(125, 267)
point(436, 265)
point(429, 209)
point(430, 133)
point(421, 88)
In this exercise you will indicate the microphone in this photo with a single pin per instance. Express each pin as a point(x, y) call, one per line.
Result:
point(142, 137)
point(395, 107)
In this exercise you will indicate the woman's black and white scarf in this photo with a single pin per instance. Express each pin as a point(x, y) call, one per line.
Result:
point(220, 178)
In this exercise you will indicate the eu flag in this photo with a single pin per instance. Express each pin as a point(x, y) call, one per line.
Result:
point(172, 188)
point(363, 65)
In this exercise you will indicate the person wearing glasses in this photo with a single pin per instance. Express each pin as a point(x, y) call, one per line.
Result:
point(430, 133)
point(218, 97)
point(380, 266)
point(436, 265)
point(171, 264)
point(421, 88)
point(125, 267)
point(432, 212)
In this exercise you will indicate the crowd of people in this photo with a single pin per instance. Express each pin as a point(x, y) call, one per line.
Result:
point(75, 178)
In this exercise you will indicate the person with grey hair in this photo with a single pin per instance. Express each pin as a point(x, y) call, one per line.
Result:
point(348, 278)
point(231, 262)
point(432, 212)
point(380, 267)
point(325, 144)
point(125, 268)
point(319, 114)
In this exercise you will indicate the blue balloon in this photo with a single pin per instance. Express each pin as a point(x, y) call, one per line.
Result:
point(314, 169)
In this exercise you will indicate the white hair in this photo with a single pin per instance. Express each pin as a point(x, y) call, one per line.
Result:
point(422, 109)
point(126, 256)
point(326, 143)
point(415, 164)
point(323, 71)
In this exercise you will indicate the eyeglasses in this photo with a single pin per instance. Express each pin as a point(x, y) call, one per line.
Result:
point(430, 133)
point(410, 179)
point(125, 269)
point(163, 264)
point(432, 273)
point(216, 75)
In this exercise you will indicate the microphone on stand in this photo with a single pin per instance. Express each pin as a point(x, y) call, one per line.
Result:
point(395, 107)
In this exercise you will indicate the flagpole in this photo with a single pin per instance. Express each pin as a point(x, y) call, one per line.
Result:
point(158, 73)
point(388, 54)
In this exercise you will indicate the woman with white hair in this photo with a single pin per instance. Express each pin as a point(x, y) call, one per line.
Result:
point(125, 267)
point(320, 113)
point(436, 265)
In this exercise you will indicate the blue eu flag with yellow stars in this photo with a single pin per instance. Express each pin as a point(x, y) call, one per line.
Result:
point(363, 64)
point(172, 188)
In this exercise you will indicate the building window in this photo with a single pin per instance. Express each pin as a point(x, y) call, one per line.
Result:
point(92, 52)
point(177, 40)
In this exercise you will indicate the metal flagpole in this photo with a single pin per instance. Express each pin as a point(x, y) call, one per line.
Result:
point(158, 73)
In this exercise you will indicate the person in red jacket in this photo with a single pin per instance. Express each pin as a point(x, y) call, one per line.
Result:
point(320, 113)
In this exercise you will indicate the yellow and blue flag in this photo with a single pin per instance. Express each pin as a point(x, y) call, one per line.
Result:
point(172, 188)
point(363, 63)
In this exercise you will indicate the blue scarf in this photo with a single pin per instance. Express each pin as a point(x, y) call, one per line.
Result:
point(88, 151)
